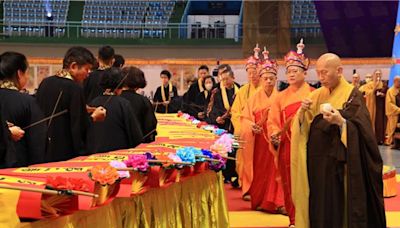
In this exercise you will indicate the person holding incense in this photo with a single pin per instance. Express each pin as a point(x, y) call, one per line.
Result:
point(336, 165)
point(121, 128)
point(280, 117)
point(19, 109)
point(140, 104)
point(66, 135)
point(256, 164)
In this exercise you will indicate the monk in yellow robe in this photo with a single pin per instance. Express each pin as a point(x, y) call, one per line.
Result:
point(258, 172)
point(246, 91)
point(368, 78)
point(241, 98)
point(356, 80)
point(286, 104)
point(392, 110)
point(371, 91)
point(336, 179)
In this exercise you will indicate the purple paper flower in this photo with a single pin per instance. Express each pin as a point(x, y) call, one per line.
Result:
point(217, 166)
point(150, 156)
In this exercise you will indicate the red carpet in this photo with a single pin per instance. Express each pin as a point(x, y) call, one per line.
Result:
point(242, 216)
point(234, 199)
point(235, 202)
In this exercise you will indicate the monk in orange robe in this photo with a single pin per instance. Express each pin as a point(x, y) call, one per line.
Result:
point(259, 172)
point(281, 114)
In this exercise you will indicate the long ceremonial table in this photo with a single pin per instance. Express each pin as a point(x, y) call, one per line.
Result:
point(189, 197)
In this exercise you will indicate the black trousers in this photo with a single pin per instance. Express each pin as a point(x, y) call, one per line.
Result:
point(230, 170)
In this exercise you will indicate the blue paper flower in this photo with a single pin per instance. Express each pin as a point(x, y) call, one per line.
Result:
point(186, 154)
point(198, 154)
point(207, 153)
point(219, 131)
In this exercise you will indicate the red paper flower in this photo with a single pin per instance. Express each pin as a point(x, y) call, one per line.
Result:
point(199, 125)
point(63, 183)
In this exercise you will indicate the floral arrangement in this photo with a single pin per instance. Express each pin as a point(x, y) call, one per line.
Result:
point(219, 131)
point(168, 162)
point(207, 153)
point(201, 124)
point(139, 162)
point(150, 156)
point(187, 154)
point(210, 127)
point(62, 183)
point(185, 116)
point(104, 174)
point(217, 166)
point(174, 157)
point(219, 148)
point(226, 140)
point(120, 164)
point(195, 122)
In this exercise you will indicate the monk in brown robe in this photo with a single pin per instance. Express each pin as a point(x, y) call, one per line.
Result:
point(336, 164)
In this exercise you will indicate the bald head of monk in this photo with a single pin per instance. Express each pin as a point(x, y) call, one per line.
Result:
point(329, 70)
point(377, 75)
point(356, 79)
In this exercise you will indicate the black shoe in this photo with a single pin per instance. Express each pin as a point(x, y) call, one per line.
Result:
point(235, 184)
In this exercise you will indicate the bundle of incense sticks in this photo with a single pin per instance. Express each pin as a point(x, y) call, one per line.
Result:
point(48, 191)
point(226, 157)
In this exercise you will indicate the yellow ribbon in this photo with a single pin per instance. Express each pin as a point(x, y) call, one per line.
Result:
point(225, 96)
point(52, 169)
point(100, 158)
point(200, 83)
point(14, 180)
point(169, 92)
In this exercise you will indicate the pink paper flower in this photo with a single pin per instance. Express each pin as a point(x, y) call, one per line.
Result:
point(174, 157)
point(219, 148)
point(138, 162)
point(119, 164)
